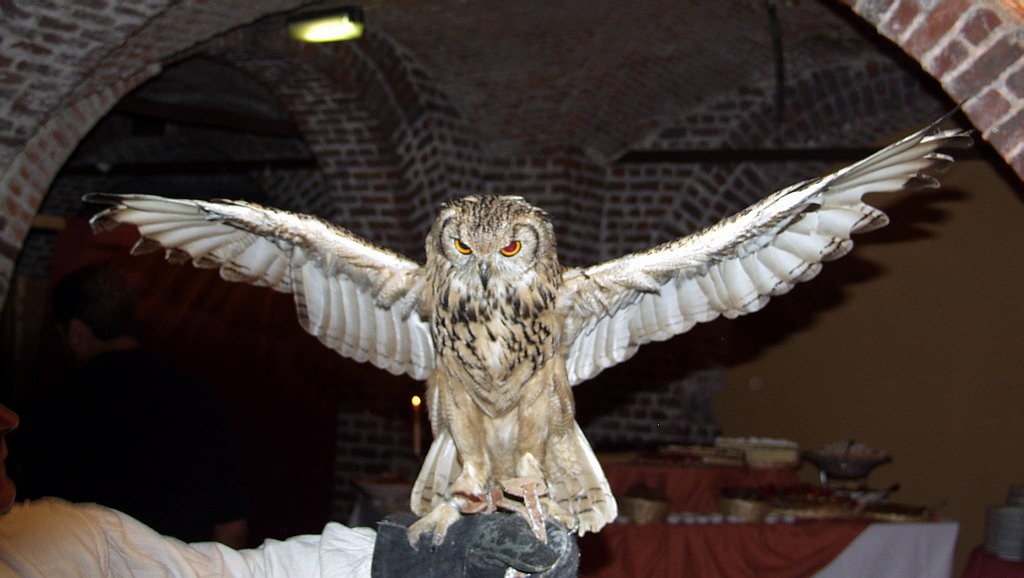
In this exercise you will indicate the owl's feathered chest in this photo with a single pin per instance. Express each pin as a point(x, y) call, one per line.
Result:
point(495, 339)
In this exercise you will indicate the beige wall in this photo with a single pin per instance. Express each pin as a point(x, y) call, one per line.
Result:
point(914, 346)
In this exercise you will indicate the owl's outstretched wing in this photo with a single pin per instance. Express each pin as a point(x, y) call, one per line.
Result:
point(357, 298)
point(735, 266)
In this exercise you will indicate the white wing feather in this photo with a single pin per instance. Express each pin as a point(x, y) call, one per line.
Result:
point(357, 298)
point(734, 267)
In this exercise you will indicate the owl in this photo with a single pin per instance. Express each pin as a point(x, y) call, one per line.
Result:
point(501, 331)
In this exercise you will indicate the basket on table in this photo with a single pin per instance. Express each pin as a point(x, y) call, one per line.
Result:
point(642, 505)
point(745, 504)
point(643, 510)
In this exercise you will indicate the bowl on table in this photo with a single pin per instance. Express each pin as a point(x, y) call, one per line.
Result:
point(845, 461)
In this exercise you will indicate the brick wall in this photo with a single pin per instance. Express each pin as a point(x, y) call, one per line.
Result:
point(369, 446)
point(678, 413)
point(975, 50)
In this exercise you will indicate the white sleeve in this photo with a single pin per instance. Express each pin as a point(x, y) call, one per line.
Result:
point(339, 552)
point(52, 537)
point(346, 552)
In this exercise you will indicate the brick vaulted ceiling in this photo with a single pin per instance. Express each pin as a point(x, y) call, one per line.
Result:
point(516, 80)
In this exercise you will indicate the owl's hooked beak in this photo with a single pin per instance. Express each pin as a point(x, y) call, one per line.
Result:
point(485, 273)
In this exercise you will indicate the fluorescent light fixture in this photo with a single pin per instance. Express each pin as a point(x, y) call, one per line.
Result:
point(324, 24)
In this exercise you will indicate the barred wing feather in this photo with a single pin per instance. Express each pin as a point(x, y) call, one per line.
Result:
point(357, 298)
point(736, 266)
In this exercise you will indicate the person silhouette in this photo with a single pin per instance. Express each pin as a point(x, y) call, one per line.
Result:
point(130, 432)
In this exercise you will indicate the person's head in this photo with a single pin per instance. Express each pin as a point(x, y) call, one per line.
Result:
point(8, 423)
point(94, 308)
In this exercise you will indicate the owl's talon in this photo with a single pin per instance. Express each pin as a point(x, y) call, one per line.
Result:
point(477, 503)
point(435, 524)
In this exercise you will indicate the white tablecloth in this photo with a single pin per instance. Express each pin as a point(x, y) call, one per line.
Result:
point(898, 550)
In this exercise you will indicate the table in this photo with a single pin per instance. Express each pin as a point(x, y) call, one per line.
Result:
point(691, 488)
point(985, 565)
point(725, 549)
point(898, 550)
point(822, 548)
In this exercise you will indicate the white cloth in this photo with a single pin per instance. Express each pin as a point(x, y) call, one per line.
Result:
point(898, 550)
point(51, 537)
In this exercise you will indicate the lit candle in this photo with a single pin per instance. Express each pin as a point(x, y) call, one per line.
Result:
point(417, 430)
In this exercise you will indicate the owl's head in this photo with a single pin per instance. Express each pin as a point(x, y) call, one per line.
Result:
point(487, 239)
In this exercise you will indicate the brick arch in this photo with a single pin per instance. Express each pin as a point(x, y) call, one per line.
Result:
point(854, 104)
point(434, 155)
point(340, 132)
point(438, 155)
point(64, 88)
point(29, 173)
point(627, 207)
point(973, 49)
point(389, 145)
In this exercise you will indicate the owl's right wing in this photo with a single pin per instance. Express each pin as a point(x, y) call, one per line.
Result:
point(737, 265)
point(357, 298)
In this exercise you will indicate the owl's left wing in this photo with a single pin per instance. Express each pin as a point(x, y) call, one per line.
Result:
point(357, 298)
point(735, 266)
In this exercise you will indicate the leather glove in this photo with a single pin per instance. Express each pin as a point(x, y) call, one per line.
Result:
point(478, 545)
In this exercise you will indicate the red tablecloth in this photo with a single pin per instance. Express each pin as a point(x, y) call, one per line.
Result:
point(762, 550)
point(985, 565)
point(691, 488)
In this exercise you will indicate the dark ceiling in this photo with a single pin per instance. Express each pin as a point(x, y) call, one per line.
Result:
point(615, 69)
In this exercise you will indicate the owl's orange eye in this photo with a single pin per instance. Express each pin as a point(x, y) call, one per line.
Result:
point(462, 248)
point(511, 249)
